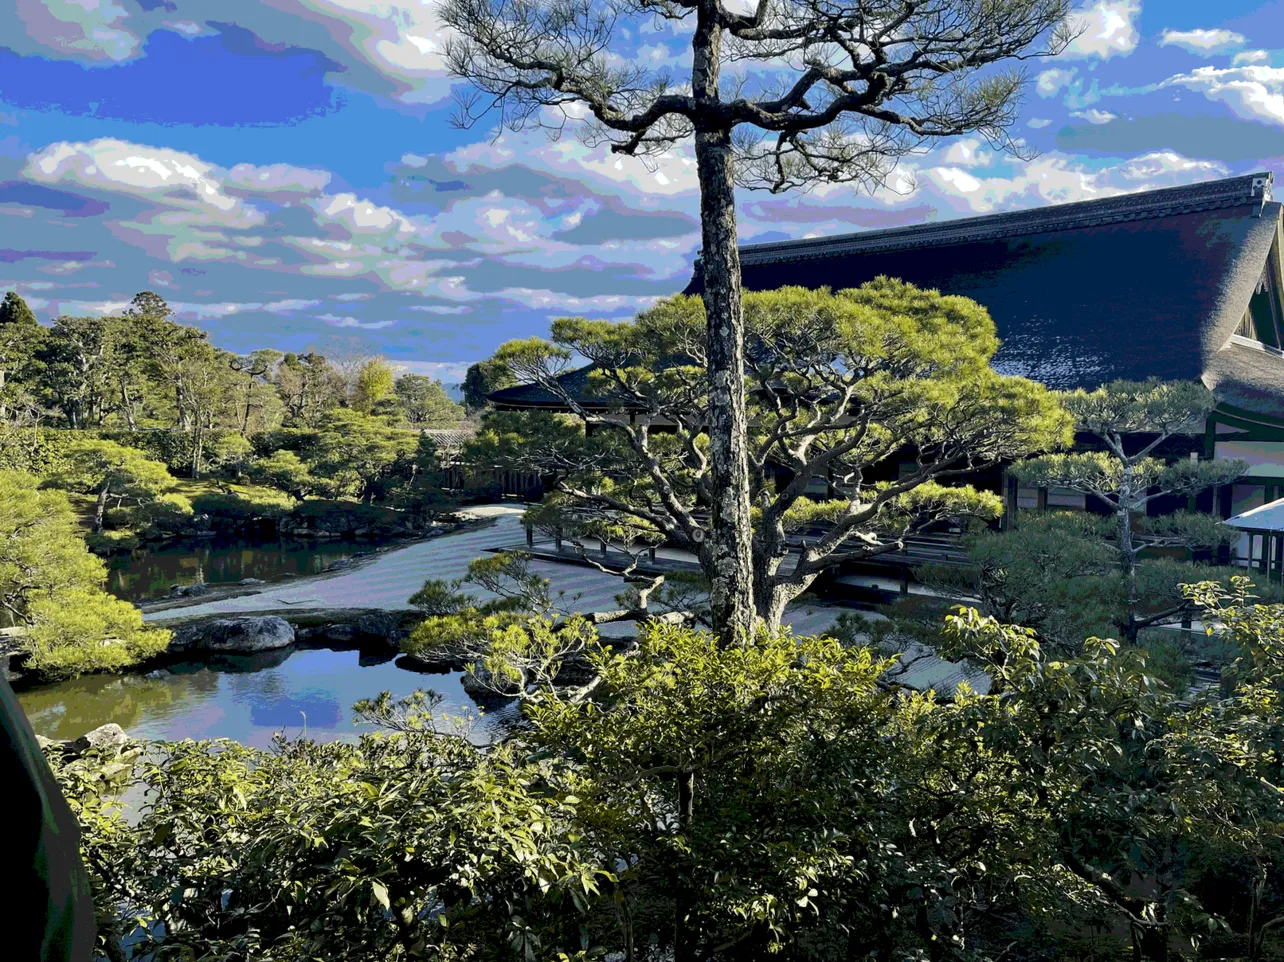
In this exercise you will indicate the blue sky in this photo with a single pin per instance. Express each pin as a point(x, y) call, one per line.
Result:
point(285, 174)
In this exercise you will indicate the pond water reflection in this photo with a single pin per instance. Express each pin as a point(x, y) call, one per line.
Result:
point(248, 698)
point(149, 571)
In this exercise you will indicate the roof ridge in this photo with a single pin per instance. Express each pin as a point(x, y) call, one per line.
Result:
point(1142, 205)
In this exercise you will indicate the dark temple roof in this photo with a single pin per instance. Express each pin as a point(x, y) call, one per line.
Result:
point(1150, 284)
point(525, 397)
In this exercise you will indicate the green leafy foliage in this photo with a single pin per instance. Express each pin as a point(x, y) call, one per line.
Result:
point(284, 470)
point(114, 475)
point(841, 388)
point(373, 382)
point(411, 843)
point(51, 588)
point(482, 379)
point(779, 798)
point(14, 310)
point(244, 505)
point(1059, 573)
point(424, 401)
point(1132, 420)
point(352, 454)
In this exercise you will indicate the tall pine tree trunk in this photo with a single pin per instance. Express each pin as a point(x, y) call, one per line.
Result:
point(730, 550)
point(1128, 553)
point(685, 937)
point(100, 507)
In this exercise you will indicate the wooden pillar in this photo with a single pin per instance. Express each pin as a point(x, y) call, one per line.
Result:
point(530, 535)
point(905, 580)
point(1043, 499)
point(603, 547)
point(557, 537)
point(650, 552)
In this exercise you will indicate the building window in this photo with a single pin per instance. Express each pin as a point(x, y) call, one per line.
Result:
point(817, 487)
point(1064, 499)
point(1027, 497)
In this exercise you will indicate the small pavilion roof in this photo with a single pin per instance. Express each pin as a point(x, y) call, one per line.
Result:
point(1266, 517)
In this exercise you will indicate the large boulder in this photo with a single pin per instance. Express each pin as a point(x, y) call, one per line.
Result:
point(110, 735)
point(340, 634)
point(377, 624)
point(263, 633)
point(189, 591)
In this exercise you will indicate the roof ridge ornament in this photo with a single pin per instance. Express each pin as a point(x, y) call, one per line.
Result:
point(1262, 188)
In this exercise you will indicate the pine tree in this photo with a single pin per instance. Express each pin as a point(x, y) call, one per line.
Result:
point(14, 310)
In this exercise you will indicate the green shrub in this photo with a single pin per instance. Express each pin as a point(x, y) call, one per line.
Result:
point(85, 630)
point(325, 515)
point(244, 506)
point(51, 587)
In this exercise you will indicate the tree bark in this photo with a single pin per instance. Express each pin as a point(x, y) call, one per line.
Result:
point(127, 406)
point(685, 938)
point(100, 508)
point(730, 549)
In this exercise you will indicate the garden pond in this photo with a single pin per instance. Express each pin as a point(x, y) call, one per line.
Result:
point(148, 572)
point(248, 698)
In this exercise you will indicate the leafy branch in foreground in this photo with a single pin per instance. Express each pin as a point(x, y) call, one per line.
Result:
point(719, 802)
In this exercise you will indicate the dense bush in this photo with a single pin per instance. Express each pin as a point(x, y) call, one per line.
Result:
point(51, 588)
point(244, 505)
point(770, 800)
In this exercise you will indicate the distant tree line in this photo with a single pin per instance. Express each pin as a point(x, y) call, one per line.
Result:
point(143, 369)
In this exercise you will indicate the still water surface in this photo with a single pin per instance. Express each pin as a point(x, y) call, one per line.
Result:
point(248, 698)
point(149, 571)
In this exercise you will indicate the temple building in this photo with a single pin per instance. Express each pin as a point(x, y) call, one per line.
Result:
point(1183, 283)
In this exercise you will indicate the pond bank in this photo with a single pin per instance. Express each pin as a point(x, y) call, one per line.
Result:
point(315, 681)
point(308, 563)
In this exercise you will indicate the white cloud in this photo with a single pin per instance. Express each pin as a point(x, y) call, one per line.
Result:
point(1105, 29)
point(178, 179)
point(560, 301)
point(278, 178)
point(1250, 56)
point(1054, 179)
point(1202, 41)
point(1038, 123)
point(1094, 116)
point(448, 372)
point(335, 320)
point(969, 152)
point(1165, 167)
point(360, 216)
point(1251, 92)
point(196, 310)
point(188, 28)
point(403, 41)
point(1053, 79)
point(84, 29)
